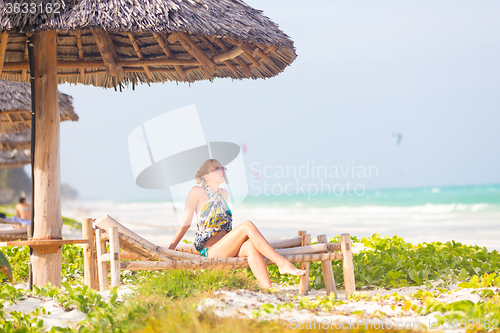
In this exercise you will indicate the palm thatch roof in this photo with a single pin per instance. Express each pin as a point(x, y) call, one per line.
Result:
point(108, 43)
point(15, 109)
point(12, 141)
point(14, 158)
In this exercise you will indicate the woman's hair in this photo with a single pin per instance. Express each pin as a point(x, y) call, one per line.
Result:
point(22, 200)
point(205, 168)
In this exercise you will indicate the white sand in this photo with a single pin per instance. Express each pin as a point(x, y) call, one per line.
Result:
point(56, 314)
point(243, 303)
point(376, 314)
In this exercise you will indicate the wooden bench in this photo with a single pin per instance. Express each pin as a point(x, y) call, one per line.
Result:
point(20, 233)
point(139, 254)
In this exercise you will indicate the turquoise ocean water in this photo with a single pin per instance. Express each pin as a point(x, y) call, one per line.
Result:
point(398, 197)
point(469, 214)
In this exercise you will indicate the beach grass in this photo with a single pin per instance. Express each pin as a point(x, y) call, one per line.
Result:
point(166, 301)
point(390, 262)
point(72, 223)
point(167, 309)
point(182, 284)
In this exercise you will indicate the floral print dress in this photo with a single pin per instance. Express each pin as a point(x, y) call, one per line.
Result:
point(215, 216)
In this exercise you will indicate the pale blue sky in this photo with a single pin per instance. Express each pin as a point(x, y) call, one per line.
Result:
point(365, 69)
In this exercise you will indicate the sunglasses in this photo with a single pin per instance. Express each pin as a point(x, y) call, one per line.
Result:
point(217, 168)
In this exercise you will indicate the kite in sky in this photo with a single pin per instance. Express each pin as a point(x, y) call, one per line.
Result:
point(398, 137)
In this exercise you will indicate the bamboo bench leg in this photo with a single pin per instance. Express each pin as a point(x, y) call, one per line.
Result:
point(102, 266)
point(96, 263)
point(114, 249)
point(304, 279)
point(88, 254)
point(350, 285)
point(326, 265)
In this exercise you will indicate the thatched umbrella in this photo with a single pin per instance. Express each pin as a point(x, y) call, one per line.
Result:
point(15, 141)
point(15, 112)
point(15, 122)
point(14, 158)
point(109, 43)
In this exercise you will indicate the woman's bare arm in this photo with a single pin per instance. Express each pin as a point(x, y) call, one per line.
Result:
point(178, 236)
point(189, 209)
point(224, 193)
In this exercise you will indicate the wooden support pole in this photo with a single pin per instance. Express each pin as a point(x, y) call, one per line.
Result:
point(195, 51)
point(270, 48)
point(108, 53)
point(348, 266)
point(3, 49)
point(262, 55)
point(285, 243)
point(10, 119)
point(48, 221)
point(26, 112)
point(209, 45)
point(134, 66)
point(252, 59)
point(123, 256)
point(94, 258)
point(243, 65)
point(12, 66)
point(212, 48)
point(228, 263)
point(225, 48)
point(24, 74)
point(326, 266)
point(304, 279)
point(80, 52)
point(114, 250)
point(131, 240)
point(220, 43)
point(46, 242)
point(251, 49)
point(89, 269)
point(316, 248)
point(139, 54)
point(161, 41)
point(248, 50)
point(231, 54)
point(102, 267)
point(175, 254)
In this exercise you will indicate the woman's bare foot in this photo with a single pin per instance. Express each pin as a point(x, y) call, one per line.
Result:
point(289, 268)
point(265, 285)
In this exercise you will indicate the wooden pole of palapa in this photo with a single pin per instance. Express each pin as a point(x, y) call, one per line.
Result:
point(48, 221)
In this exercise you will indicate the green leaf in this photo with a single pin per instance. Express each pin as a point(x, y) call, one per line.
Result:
point(267, 307)
point(5, 267)
point(304, 303)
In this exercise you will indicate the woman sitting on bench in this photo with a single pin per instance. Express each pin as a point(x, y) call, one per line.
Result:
point(215, 237)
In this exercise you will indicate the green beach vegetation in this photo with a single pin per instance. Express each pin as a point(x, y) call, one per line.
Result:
point(167, 301)
point(390, 262)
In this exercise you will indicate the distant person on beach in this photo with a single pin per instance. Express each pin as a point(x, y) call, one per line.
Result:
point(23, 210)
point(215, 237)
point(23, 214)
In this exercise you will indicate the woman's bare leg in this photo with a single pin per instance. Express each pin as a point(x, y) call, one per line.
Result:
point(230, 244)
point(256, 263)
